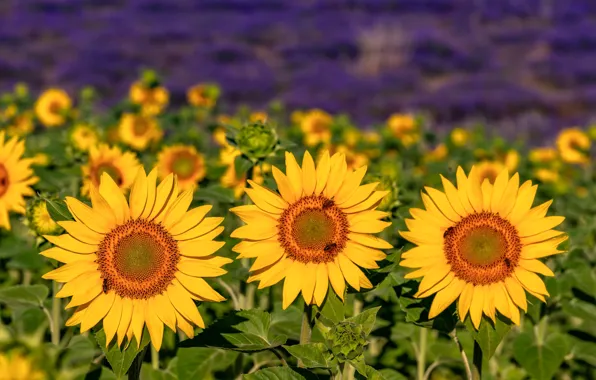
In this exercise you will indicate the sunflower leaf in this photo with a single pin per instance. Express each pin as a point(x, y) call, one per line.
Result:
point(333, 308)
point(283, 373)
point(24, 295)
point(489, 335)
point(201, 362)
point(58, 210)
point(121, 360)
point(366, 319)
point(540, 358)
point(312, 355)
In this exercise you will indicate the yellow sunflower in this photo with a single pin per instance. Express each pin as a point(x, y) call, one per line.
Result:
point(52, 106)
point(138, 131)
point(185, 162)
point(83, 137)
point(258, 116)
point(16, 177)
point(40, 220)
point(137, 262)
point(543, 155)
point(573, 145)
point(151, 99)
point(488, 170)
point(437, 154)
point(21, 125)
point(202, 95)
point(15, 366)
point(354, 159)
point(481, 244)
point(121, 166)
point(459, 136)
point(316, 126)
point(315, 231)
point(404, 127)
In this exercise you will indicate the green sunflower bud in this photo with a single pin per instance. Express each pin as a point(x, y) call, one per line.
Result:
point(256, 140)
point(40, 220)
point(346, 340)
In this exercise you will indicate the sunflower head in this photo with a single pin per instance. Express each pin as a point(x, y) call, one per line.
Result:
point(40, 220)
point(459, 136)
point(547, 175)
point(150, 96)
point(480, 244)
point(16, 178)
point(404, 127)
point(185, 162)
point(139, 132)
point(82, 137)
point(121, 166)
point(574, 145)
point(21, 124)
point(137, 261)
point(489, 170)
point(315, 231)
point(256, 140)
point(439, 153)
point(52, 107)
point(203, 95)
point(258, 117)
point(543, 155)
point(316, 126)
point(14, 365)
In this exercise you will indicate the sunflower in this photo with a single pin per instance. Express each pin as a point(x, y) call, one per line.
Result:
point(354, 159)
point(138, 262)
point(202, 95)
point(316, 231)
point(258, 116)
point(404, 127)
point(459, 136)
point(573, 145)
point(83, 137)
point(316, 126)
point(52, 106)
point(489, 170)
point(121, 166)
point(15, 366)
point(40, 220)
point(151, 99)
point(139, 132)
point(21, 125)
point(439, 153)
point(480, 243)
point(185, 162)
point(16, 177)
point(543, 155)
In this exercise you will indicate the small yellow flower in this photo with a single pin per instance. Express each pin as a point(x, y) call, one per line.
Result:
point(437, 154)
point(543, 155)
point(372, 137)
point(40, 220)
point(151, 99)
point(316, 126)
point(9, 112)
point(21, 125)
point(121, 166)
point(511, 160)
point(403, 127)
point(258, 116)
point(202, 95)
point(546, 175)
point(52, 106)
point(83, 137)
point(139, 132)
point(40, 159)
point(459, 136)
point(14, 366)
point(351, 137)
point(573, 145)
point(185, 162)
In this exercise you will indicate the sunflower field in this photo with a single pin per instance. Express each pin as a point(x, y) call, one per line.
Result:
point(147, 241)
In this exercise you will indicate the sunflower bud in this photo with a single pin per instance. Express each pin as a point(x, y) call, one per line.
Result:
point(256, 140)
point(40, 220)
point(346, 340)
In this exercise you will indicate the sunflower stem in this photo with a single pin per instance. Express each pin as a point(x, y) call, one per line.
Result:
point(26, 277)
point(421, 359)
point(464, 357)
point(477, 361)
point(306, 329)
point(55, 320)
point(154, 358)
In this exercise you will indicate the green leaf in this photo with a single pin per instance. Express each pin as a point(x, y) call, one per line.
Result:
point(241, 165)
point(282, 373)
point(119, 360)
point(367, 319)
point(245, 330)
point(540, 359)
point(391, 374)
point(312, 355)
point(58, 210)
point(333, 308)
point(24, 295)
point(200, 362)
point(149, 373)
point(488, 335)
point(214, 194)
point(368, 372)
point(79, 352)
point(287, 322)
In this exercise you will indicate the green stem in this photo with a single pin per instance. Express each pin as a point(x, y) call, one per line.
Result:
point(464, 357)
point(56, 311)
point(154, 358)
point(348, 372)
point(477, 361)
point(306, 329)
point(134, 372)
point(421, 359)
point(26, 277)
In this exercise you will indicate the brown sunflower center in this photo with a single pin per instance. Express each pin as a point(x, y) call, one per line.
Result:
point(4, 180)
point(482, 248)
point(313, 230)
point(140, 127)
point(138, 259)
point(55, 107)
point(490, 174)
point(112, 171)
point(184, 164)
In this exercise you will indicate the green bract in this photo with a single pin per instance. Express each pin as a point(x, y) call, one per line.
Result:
point(346, 340)
point(256, 140)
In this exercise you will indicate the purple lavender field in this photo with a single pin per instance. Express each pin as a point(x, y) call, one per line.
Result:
point(523, 64)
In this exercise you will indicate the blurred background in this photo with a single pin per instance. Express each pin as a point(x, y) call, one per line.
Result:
point(527, 66)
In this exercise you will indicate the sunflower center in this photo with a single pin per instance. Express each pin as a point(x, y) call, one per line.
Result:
point(138, 259)
point(490, 174)
point(4, 180)
point(140, 127)
point(184, 165)
point(54, 107)
point(313, 230)
point(112, 171)
point(482, 248)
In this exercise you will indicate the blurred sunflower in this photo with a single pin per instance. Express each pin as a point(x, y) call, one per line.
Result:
point(404, 127)
point(459, 136)
point(152, 99)
point(258, 116)
point(40, 220)
point(185, 162)
point(138, 131)
point(83, 137)
point(52, 106)
point(15, 366)
point(488, 170)
point(546, 175)
point(230, 179)
point(316, 231)
point(121, 166)
point(137, 263)
point(354, 159)
point(543, 155)
point(573, 145)
point(16, 177)
point(480, 243)
point(439, 153)
point(40, 159)
point(203, 95)
point(316, 126)
point(21, 125)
